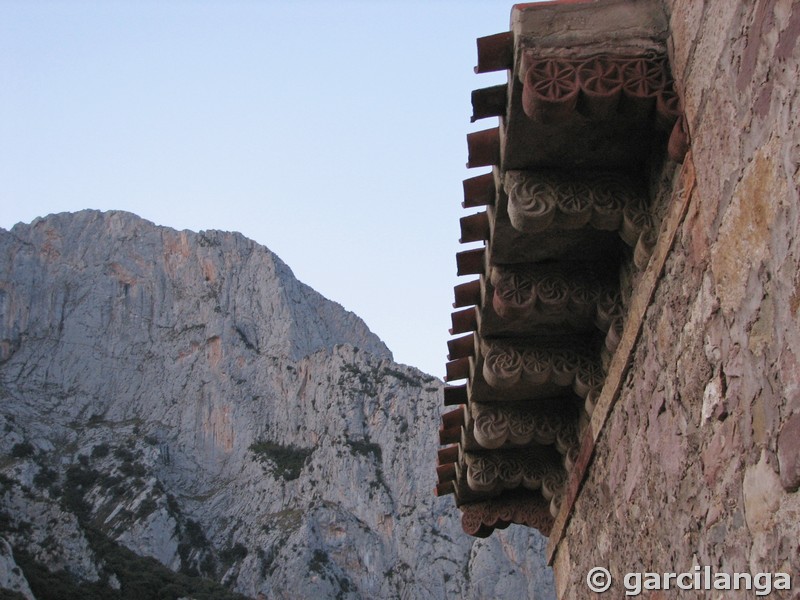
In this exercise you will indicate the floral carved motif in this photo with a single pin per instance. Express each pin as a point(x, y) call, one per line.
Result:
point(502, 367)
point(493, 472)
point(574, 205)
point(507, 367)
point(533, 208)
point(496, 425)
point(481, 518)
point(539, 201)
point(524, 294)
point(600, 80)
point(514, 296)
point(550, 91)
point(557, 89)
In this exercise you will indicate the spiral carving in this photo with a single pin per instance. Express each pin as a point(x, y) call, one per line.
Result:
point(532, 205)
point(494, 426)
point(644, 247)
point(538, 202)
point(591, 401)
point(571, 457)
point(510, 473)
point(472, 523)
point(491, 428)
point(565, 365)
point(553, 483)
point(609, 307)
point(568, 437)
point(502, 367)
point(635, 218)
point(553, 294)
point(609, 195)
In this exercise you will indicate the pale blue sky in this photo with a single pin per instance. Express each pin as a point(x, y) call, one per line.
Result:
point(334, 133)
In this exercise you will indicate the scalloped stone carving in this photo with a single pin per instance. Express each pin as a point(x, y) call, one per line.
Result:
point(479, 519)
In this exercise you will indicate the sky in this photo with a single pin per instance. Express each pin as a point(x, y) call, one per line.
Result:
point(333, 133)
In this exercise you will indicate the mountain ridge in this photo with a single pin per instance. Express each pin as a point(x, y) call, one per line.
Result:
point(182, 396)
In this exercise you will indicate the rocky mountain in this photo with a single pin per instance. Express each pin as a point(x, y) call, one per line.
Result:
point(182, 418)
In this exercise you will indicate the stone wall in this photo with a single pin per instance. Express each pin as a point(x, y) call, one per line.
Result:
point(698, 462)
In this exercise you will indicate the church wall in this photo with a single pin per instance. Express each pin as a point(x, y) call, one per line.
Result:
point(699, 461)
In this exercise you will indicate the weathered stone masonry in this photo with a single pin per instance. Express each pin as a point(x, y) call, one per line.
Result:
point(698, 462)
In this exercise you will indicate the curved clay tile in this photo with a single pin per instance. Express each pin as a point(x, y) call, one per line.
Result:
point(495, 52)
point(483, 148)
point(479, 191)
point(467, 294)
point(489, 102)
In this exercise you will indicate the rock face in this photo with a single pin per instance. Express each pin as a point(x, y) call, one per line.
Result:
point(182, 396)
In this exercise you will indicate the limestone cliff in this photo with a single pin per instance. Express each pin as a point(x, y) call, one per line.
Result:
point(182, 396)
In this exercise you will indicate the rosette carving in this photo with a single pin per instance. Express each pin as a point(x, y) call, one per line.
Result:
point(553, 294)
point(502, 367)
point(643, 79)
point(495, 425)
point(668, 107)
point(574, 205)
point(481, 518)
point(538, 517)
point(522, 427)
point(536, 367)
point(547, 428)
point(600, 79)
point(482, 473)
point(550, 90)
point(514, 297)
point(531, 203)
point(590, 376)
point(472, 522)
